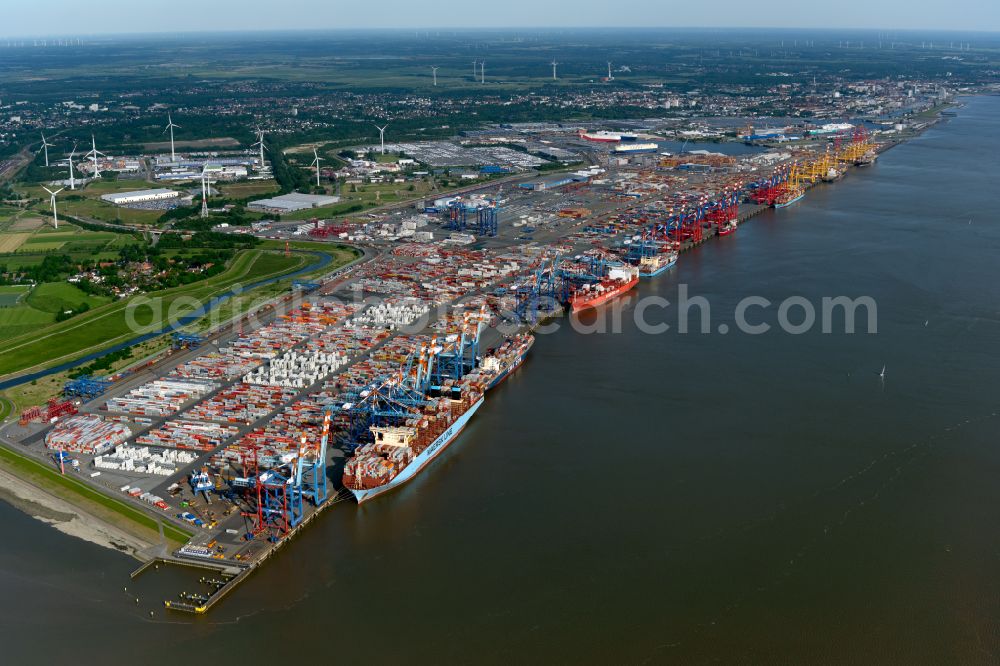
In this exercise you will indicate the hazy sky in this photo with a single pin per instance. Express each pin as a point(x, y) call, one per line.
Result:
point(77, 17)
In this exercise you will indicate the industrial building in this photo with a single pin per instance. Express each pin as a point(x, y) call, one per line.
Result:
point(287, 203)
point(138, 196)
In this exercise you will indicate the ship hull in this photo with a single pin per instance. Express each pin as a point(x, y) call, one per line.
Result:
point(422, 460)
point(658, 271)
point(788, 203)
point(515, 364)
point(596, 300)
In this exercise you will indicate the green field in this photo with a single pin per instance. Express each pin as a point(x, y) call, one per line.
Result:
point(251, 188)
point(95, 502)
point(67, 239)
point(41, 305)
point(22, 319)
point(56, 297)
point(105, 325)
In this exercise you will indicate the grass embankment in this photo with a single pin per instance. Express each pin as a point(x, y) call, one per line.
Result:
point(92, 501)
point(107, 325)
point(339, 256)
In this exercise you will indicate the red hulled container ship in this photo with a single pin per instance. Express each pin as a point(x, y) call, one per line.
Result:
point(619, 280)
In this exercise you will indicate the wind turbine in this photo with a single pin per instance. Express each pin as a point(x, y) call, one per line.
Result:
point(610, 76)
point(45, 147)
point(316, 160)
point(94, 152)
point(260, 142)
point(52, 202)
point(381, 134)
point(475, 72)
point(553, 63)
point(434, 71)
point(72, 178)
point(170, 126)
point(482, 71)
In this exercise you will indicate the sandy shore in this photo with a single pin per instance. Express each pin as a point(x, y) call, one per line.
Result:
point(65, 517)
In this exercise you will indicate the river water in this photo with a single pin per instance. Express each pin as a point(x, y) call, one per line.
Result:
point(635, 498)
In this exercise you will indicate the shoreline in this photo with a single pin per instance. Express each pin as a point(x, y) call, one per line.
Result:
point(68, 518)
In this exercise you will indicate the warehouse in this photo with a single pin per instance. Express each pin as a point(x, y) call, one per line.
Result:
point(286, 203)
point(138, 196)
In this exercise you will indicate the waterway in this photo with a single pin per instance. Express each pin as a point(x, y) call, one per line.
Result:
point(635, 498)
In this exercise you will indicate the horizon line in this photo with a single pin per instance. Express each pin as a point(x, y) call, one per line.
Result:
point(494, 29)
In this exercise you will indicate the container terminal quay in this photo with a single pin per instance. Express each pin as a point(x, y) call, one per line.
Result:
point(353, 384)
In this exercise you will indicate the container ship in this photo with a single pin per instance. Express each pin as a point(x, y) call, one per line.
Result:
point(619, 280)
point(506, 358)
point(399, 452)
point(633, 148)
point(727, 227)
point(788, 197)
point(653, 265)
point(607, 137)
point(867, 159)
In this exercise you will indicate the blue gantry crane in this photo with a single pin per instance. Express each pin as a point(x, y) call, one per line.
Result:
point(86, 387)
point(539, 293)
point(187, 340)
point(310, 466)
point(488, 215)
point(458, 354)
point(201, 482)
point(458, 215)
point(385, 401)
point(305, 287)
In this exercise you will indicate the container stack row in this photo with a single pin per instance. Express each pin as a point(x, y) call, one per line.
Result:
point(191, 435)
point(161, 397)
point(87, 434)
point(143, 460)
point(241, 403)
